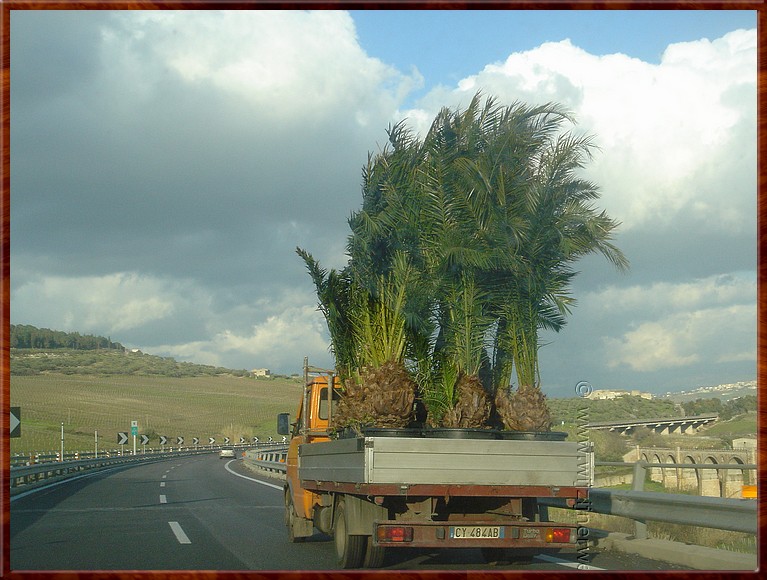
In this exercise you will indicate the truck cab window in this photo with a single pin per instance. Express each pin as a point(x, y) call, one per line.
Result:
point(323, 410)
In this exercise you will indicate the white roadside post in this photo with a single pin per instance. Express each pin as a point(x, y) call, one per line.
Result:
point(61, 457)
point(134, 432)
point(96, 444)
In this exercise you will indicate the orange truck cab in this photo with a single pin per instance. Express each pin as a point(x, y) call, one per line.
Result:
point(311, 425)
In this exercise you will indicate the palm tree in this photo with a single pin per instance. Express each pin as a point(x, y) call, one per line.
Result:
point(489, 215)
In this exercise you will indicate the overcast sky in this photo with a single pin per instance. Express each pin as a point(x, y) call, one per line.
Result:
point(165, 165)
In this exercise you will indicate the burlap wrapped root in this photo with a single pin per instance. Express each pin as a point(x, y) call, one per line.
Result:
point(524, 409)
point(383, 397)
point(473, 408)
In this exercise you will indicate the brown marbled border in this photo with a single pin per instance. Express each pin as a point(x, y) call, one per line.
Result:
point(8, 5)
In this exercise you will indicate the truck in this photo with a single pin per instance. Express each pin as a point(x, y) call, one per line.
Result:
point(383, 489)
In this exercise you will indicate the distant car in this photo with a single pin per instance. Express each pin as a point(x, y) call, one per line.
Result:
point(226, 452)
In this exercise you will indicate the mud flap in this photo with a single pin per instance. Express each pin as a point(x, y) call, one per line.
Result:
point(361, 514)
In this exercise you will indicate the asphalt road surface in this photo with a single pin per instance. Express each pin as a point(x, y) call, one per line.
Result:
point(206, 513)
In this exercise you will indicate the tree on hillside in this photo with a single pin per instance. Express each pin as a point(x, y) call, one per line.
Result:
point(489, 214)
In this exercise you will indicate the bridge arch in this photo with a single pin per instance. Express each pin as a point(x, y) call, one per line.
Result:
point(656, 473)
point(670, 479)
point(689, 478)
point(710, 484)
point(733, 479)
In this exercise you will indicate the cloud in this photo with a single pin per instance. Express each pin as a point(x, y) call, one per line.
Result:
point(674, 136)
point(678, 325)
point(165, 164)
point(216, 138)
point(278, 342)
point(716, 335)
point(112, 303)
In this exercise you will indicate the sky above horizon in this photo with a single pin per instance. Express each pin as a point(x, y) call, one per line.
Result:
point(166, 164)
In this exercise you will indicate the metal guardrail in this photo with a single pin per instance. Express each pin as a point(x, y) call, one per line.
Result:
point(271, 458)
point(737, 515)
point(24, 459)
point(27, 477)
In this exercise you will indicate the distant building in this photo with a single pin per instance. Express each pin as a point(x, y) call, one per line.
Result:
point(262, 372)
point(744, 443)
point(610, 394)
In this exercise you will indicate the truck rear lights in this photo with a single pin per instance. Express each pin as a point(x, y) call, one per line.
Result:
point(394, 534)
point(558, 535)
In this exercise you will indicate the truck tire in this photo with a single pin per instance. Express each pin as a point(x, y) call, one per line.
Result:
point(290, 520)
point(374, 555)
point(350, 550)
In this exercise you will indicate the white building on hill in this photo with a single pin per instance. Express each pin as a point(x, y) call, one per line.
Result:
point(609, 394)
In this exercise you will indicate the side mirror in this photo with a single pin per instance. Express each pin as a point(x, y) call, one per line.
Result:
point(283, 424)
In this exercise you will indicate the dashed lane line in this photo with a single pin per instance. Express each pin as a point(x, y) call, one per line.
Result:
point(178, 531)
point(163, 499)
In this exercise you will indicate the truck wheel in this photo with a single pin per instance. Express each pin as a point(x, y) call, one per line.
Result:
point(374, 555)
point(290, 520)
point(350, 550)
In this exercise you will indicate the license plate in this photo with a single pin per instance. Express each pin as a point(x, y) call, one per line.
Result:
point(476, 532)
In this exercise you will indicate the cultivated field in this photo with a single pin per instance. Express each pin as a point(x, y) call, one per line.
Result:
point(189, 407)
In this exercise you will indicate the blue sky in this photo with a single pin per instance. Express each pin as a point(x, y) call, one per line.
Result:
point(165, 165)
point(450, 45)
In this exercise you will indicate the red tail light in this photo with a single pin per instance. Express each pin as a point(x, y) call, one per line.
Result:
point(391, 534)
point(558, 535)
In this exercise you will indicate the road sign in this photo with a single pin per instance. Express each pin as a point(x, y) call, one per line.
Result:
point(195, 440)
point(180, 440)
point(15, 422)
point(163, 439)
point(144, 439)
point(242, 439)
point(255, 439)
point(211, 440)
point(122, 438)
point(226, 440)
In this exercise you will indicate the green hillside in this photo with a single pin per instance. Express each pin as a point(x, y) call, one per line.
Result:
point(581, 410)
point(189, 406)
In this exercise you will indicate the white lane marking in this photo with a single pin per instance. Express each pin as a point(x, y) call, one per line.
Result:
point(162, 484)
point(250, 478)
point(164, 476)
point(578, 565)
point(163, 499)
point(179, 533)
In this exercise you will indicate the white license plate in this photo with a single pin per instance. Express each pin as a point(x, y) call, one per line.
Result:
point(476, 532)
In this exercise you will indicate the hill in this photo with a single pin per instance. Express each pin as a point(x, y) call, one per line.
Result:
point(214, 406)
point(579, 409)
point(28, 336)
point(36, 351)
point(92, 384)
point(26, 362)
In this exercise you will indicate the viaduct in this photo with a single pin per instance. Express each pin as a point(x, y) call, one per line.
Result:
point(684, 425)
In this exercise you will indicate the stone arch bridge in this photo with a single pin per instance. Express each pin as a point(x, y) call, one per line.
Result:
point(710, 482)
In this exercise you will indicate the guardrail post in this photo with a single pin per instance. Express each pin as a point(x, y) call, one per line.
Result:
point(640, 474)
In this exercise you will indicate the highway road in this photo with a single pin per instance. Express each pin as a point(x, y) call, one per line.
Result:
point(206, 513)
